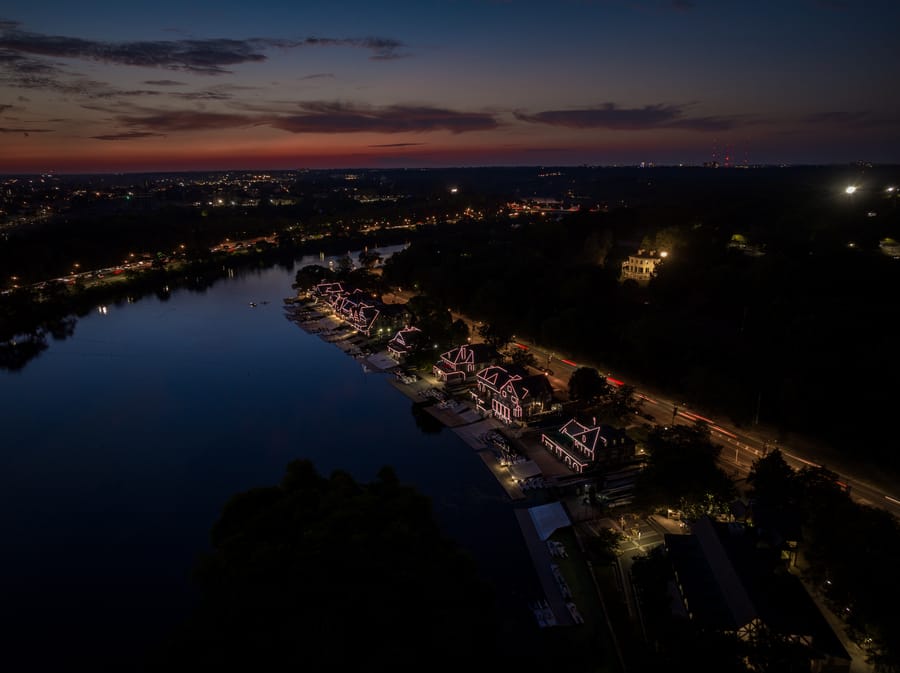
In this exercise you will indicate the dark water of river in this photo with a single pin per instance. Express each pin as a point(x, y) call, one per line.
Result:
point(121, 443)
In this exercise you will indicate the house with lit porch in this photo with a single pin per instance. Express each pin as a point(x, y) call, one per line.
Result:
point(404, 342)
point(464, 361)
point(510, 394)
point(582, 446)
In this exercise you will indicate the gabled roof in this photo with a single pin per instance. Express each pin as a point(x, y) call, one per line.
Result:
point(329, 288)
point(531, 387)
point(494, 376)
point(406, 337)
point(737, 600)
point(483, 352)
point(470, 354)
point(728, 581)
point(583, 434)
point(368, 314)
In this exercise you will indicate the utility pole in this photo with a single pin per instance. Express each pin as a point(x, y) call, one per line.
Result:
point(758, 404)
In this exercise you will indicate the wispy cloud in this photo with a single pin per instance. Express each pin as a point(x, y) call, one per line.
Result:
point(128, 135)
point(325, 117)
point(317, 75)
point(316, 117)
point(202, 95)
point(610, 116)
point(198, 56)
point(398, 145)
point(4, 129)
point(163, 82)
point(188, 120)
point(859, 119)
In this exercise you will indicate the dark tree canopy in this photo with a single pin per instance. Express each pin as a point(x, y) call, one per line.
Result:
point(330, 574)
point(586, 384)
point(682, 472)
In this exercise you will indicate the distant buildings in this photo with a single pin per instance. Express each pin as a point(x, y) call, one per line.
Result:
point(360, 310)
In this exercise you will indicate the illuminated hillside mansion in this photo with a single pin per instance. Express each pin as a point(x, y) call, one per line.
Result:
point(641, 266)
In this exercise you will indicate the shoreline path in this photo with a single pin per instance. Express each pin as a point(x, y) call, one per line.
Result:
point(461, 419)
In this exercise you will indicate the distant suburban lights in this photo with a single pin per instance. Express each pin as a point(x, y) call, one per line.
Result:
point(454, 190)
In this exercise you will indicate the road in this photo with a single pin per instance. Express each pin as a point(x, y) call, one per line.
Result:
point(741, 448)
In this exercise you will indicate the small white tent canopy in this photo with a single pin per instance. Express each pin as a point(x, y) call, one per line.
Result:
point(547, 518)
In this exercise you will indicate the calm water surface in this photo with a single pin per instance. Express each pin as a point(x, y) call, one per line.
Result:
point(121, 444)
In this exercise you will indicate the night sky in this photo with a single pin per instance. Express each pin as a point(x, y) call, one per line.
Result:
point(125, 86)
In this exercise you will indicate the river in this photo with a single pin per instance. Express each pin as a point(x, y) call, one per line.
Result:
point(121, 443)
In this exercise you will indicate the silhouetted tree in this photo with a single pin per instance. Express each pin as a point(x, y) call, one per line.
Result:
point(586, 384)
point(333, 571)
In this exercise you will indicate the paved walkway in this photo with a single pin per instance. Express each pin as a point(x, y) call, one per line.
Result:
point(542, 560)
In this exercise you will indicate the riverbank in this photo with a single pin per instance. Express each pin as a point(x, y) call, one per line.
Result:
point(515, 457)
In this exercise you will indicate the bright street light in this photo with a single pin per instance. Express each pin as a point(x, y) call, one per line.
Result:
point(850, 189)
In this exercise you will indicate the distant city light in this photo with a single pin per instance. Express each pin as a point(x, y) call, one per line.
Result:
point(851, 189)
point(664, 254)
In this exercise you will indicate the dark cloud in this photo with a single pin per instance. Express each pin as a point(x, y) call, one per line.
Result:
point(316, 118)
point(128, 135)
point(188, 120)
point(382, 48)
point(25, 131)
point(163, 82)
point(318, 75)
point(4, 108)
point(322, 117)
point(207, 57)
point(202, 95)
point(398, 145)
point(612, 117)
